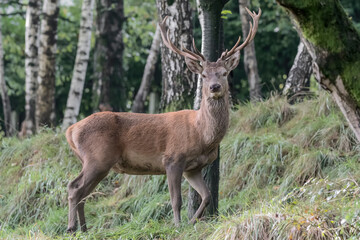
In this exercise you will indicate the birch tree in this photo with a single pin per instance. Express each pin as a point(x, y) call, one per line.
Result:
point(140, 98)
point(31, 64)
point(45, 108)
point(298, 80)
point(250, 62)
point(81, 62)
point(198, 92)
point(177, 80)
point(3, 90)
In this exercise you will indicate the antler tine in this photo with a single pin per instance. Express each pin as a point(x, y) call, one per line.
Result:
point(231, 52)
point(247, 40)
point(253, 29)
point(197, 51)
point(198, 57)
point(163, 32)
point(255, 18)
point(170, 45)
point(223, 55)
point(252, 32)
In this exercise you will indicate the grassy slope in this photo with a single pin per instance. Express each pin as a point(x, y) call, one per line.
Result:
point(288, 172)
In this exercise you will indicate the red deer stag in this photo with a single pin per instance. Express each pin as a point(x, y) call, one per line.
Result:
point(176, 143)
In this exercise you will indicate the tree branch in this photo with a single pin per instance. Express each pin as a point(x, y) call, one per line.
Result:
point(21, 13)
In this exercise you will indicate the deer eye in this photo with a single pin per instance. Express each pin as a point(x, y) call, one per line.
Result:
point(203, 76)
point(225, 73)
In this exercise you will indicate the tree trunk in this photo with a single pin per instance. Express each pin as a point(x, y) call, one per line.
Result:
point(177, 80)
point(209, 15)
point(31, 64)
point(148, 75)
point(250, 62)
point(45, 108)
point(4, 94)
point(81, 62)
point(298, 81)
point(334, 45)
point(198, 93)
point(110, 90)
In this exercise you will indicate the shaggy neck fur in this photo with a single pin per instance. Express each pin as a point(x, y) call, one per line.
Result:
point(213, 119)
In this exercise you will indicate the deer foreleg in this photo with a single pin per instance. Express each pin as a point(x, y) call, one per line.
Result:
point(196, 181)
point(174, 173)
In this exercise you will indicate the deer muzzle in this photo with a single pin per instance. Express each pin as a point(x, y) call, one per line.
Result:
point(214, 88)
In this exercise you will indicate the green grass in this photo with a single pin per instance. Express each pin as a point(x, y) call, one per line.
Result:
point(287, 172)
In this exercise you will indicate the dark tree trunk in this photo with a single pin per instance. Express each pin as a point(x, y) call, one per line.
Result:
point(334, 45)
point(298, 82)
point(45, 108)
point(178, 81)
point(31, 64)
point(3, 91)
point(250, 62)
point(110, 91)
point(140, 98)
point(211, 49)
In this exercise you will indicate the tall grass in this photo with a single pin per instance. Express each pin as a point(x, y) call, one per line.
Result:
point(287, 172)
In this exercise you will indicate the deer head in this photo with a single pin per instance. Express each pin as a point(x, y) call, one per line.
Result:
point(214, 74)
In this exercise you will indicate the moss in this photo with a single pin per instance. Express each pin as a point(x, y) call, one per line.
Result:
point(326, 25)
point(351, 78)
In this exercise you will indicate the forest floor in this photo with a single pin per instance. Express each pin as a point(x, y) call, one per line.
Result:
point(287, 172)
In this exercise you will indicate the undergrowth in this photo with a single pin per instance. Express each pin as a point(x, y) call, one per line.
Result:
point(287, 172)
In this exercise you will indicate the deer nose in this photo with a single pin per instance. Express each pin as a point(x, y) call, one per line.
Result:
point(215, 87)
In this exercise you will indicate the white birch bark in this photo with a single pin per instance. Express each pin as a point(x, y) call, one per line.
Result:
point(31, 64)
point(298, 81)
point(81, 62)
point(198, 93)
point(148, 75)
point(45, 108)
point(177, 79)
point(3, 90)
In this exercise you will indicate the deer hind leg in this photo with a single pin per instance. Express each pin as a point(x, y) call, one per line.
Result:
point(196, 181)
point(80, 188)
point(174, 173)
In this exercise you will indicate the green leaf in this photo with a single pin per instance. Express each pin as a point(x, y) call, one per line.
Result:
point(226, 12)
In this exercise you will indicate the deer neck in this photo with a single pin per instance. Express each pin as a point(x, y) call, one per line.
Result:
point(213, 119)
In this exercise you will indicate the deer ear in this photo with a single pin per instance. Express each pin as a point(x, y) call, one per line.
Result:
point(193, 65)
point(232, 62)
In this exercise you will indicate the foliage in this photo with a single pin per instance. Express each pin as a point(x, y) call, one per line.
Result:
point(287, 172)
point(139, 30)
point(275, 43)
point(13, 31)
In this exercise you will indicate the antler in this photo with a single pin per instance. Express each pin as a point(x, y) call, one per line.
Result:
point(197, 56)
point(252, 32)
